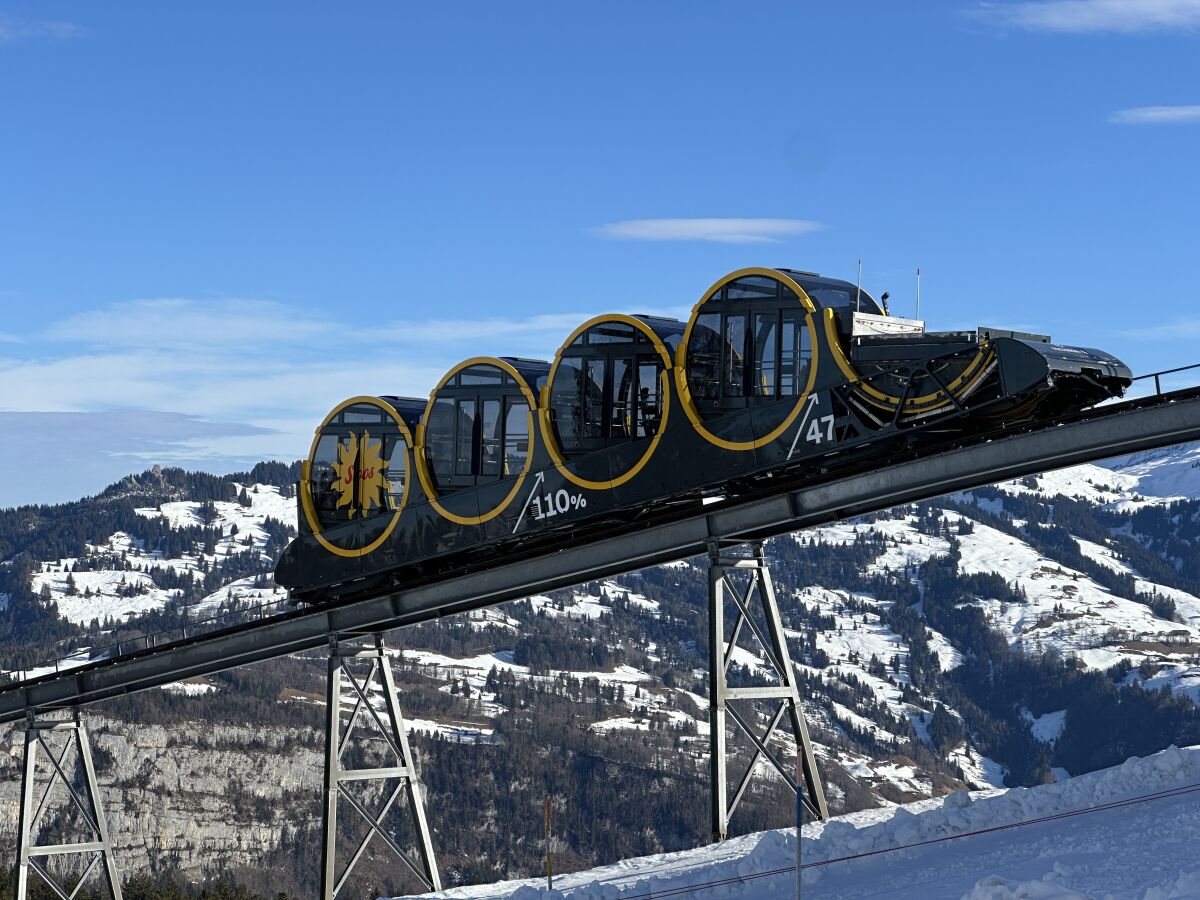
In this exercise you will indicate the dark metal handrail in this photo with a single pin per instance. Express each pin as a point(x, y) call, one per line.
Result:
point(1157, 376)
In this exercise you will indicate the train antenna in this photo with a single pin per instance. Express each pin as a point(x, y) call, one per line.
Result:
point(858, 289)
point(918, 293)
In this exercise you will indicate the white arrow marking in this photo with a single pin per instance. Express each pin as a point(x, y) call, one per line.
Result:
point(537, 483)
point(816, 398)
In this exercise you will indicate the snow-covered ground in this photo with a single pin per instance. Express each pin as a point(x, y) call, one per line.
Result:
point(102, 593)
point(1169, 472)
point(1127, 833)
point(1064, 610)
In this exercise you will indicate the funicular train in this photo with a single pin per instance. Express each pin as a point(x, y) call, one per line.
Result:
point(777, 378)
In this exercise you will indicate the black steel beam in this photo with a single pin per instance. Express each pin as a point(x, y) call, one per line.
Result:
point(1126, 428)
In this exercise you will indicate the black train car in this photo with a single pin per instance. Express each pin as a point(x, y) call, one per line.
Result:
point(777, 377)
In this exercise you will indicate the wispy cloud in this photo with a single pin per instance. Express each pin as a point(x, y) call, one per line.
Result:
point(15, 29)
point(243, 361)
point(191, 324)
point(225, 383)
point(724, 231)
point(197, 328)
point(80, 453)
point(1179, 330)
point(1157, 115)
point(1094, 16)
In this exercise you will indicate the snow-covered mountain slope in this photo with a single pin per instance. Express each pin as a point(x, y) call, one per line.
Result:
point(119, 577)
point(1169, 472)
point(1124, 483)
point(1126, 833)
point(1015, 634)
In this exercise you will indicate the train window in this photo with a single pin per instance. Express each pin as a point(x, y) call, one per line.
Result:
point(566, 402)
point(363, 416)
point(749, 343)
point(704, 360)
point(593, 400)
point(753, 287)
point(478, 428)
point(610, 333)
point(795, 356)
point(516, 436)
point(840, 295)
point(607, 389)
point(621, 389)
point(439, 440)
point(491, 438)
point(322, 476)
point(766, 333)
point(464, 438)
point(396, 471)
point(733, 375)
point(358, 467)
point(649, 405)
point(480, 375)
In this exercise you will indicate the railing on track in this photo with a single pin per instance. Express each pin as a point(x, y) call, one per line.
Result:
point(1157, 376)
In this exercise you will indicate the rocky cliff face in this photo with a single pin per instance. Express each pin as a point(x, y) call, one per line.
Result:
point(197, 796)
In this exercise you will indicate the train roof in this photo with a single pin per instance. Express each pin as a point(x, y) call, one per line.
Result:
point(663, 326)
point(531, 369)
point(410, 408)
point(833, 293)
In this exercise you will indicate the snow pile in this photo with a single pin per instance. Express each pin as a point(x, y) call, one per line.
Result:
point(1130, 835)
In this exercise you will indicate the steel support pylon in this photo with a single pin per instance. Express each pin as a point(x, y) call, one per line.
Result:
point(65, 768)
point(345, 654)
point(738, 579)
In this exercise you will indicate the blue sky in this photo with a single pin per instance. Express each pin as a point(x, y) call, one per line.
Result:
point(217, 220)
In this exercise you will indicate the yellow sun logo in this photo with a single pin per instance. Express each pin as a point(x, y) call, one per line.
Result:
point(361, 474)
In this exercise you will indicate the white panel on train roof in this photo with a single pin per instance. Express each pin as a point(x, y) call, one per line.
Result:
point(869, 325)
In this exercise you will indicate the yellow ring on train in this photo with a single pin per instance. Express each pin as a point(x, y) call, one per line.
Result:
point(547, 428)
point(431, 491)
point(306, 498)
point(685, 394)
point(923, 404)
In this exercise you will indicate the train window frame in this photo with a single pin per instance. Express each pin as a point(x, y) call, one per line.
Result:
point(466, 410)
point(489, 466)
point(508, 394)
point(520, 406)
point(332, 437)
point(583, 354)
point(720, 395)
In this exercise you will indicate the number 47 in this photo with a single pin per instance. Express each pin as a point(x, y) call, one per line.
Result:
point(814, 435)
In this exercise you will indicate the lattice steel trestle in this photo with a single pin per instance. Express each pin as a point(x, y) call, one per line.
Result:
point(82, 814)
point(356, 662)
point(741, 579)
point(346, 653)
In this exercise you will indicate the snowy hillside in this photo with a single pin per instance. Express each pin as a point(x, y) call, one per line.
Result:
point(1169, 472)
point(114, 580)
point(1126, 833)
point(1012, 635)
